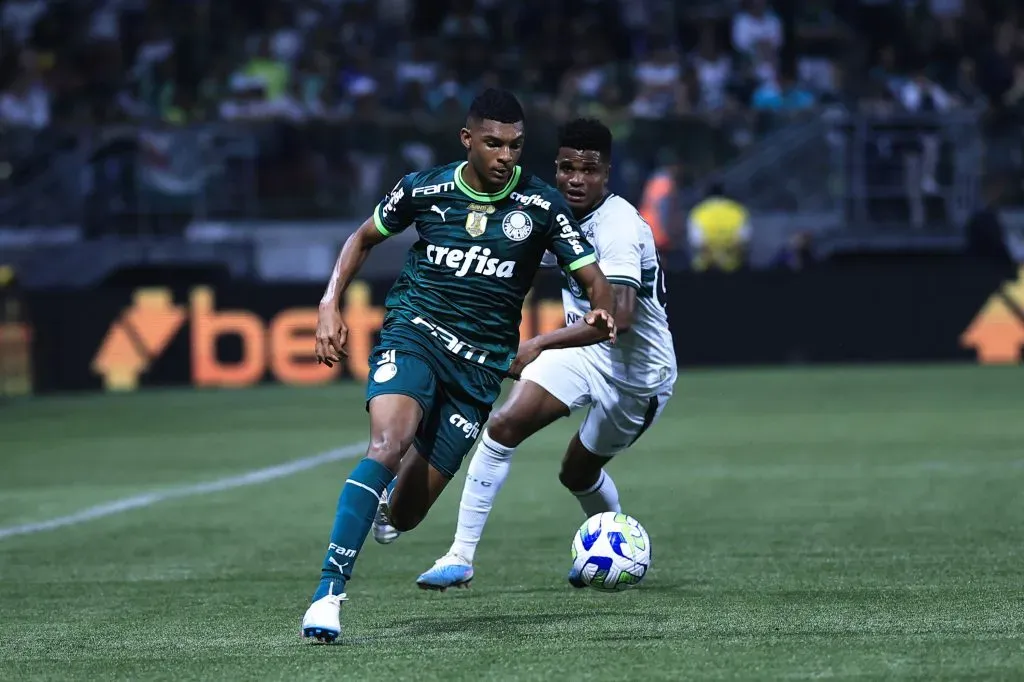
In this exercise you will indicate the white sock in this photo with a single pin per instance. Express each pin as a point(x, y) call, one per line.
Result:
point(603, 496)
point(486, 474)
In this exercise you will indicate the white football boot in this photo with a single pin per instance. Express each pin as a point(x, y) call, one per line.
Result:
point(322, 621)
point(451, 570)
point(383, 531)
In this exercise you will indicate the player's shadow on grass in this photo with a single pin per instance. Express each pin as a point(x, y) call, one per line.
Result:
point(691, 586)
point(499, 624)
point(503, 626)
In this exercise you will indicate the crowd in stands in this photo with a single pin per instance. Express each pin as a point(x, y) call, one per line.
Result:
point(96, 61)
point(699, 80)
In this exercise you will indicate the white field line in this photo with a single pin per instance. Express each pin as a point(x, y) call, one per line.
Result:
point(125, 504)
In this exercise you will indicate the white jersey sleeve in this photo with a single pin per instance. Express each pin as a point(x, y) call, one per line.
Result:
point(618, 246)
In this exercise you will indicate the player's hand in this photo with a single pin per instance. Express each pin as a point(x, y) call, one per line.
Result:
point(331, 335)
point(602, 319)
point(528, 352)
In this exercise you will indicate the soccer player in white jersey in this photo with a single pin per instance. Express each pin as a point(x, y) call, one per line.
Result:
point(625, 386)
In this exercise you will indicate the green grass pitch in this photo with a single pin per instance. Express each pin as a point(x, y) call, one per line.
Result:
point(813, 523)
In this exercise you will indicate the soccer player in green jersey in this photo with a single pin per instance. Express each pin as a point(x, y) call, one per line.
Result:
point(451, 330)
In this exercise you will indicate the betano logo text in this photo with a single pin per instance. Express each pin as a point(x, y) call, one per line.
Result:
point(997, 332)
point(283, 346)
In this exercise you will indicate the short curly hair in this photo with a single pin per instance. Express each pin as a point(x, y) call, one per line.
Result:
point(496, 105)
point(586, 134)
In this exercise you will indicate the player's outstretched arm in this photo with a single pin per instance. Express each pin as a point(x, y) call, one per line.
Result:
point(625, 305)
point(599, 291)
point(596, 326)
point(331, 330)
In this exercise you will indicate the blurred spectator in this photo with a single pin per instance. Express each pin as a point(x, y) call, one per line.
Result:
point(377, 85)
point(659, 205)
point(921, 94)
point(965, 87)
point(417, 67)
point(757, 31)
point(714, 71)
point(463, 24)
point(27, 102)
point(782, 95)
point(795, 253)
point(19, 18)
point(718, 231)
point(1013, 98)
point(267, 69)
point(660, 90)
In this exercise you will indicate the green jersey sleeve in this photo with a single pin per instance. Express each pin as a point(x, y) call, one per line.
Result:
point(566, 240)
point(395, 212)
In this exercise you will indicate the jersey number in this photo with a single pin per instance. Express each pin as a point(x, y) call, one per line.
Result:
point(660, 293)
point(660, 288)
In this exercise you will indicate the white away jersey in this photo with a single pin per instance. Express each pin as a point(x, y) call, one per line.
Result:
point(642, 361)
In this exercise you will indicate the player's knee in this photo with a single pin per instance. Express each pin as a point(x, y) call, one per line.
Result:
point(576, 478)
point(387, 448)
point(507, 428)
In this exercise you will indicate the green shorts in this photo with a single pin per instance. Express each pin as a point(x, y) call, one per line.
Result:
point(456, 396)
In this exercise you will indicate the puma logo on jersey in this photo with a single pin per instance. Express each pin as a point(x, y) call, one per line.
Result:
point(438, 211)
point(471, 429)
point(569, 234)
point(532, 200)
point(474, 260)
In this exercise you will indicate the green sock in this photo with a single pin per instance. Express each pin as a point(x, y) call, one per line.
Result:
point(357, 506)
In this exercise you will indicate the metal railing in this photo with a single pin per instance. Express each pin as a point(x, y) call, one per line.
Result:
point(892, 173)
point(869, 173)
point(128, 178)
point(912, 172)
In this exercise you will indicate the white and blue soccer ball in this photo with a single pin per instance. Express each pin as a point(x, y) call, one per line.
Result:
point(611, 552)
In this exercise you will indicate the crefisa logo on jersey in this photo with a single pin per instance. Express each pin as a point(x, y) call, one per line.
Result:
point(396, 195)
point(569, 234)
point(475, 260)
point(517, 226)
point(532, 200)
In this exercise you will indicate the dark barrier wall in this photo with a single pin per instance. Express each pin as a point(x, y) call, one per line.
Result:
point(923, 310)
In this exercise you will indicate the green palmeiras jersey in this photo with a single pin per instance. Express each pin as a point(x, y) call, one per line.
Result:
point(466, 276)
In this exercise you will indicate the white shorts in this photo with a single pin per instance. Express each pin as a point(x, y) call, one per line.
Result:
point(615, 418)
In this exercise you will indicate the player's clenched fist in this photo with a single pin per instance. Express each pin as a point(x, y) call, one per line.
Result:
point(602, 319)
point(331, 335)
point(528, 352)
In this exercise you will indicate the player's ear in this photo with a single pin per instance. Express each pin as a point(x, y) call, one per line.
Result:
point(466, 137)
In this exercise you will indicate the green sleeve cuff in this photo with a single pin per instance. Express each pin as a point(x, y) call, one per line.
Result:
point(579, 263)
point(379, 224)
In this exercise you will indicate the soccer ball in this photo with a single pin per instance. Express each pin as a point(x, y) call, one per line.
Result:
point(611, 552)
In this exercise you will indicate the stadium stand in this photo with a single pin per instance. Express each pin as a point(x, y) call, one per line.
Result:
point(846, 118)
